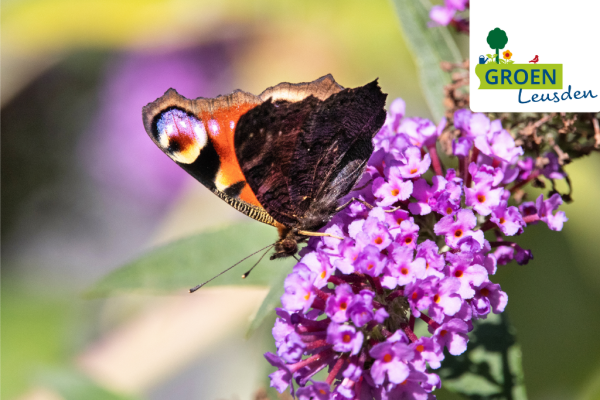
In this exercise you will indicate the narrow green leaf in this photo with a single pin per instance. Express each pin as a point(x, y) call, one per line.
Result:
point(187, 262)
point(430, 46)
point(271, 301)
point(491, 367)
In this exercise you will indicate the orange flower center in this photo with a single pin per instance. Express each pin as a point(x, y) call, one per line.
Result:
point(443, 332)
point(404, 271)
point(408, 240)
point(346, 338)
point(502, 220)
point(414, 170)
point(323, 275)
point(395, 192)
point(458, 233)
point(448, 210)
point(458, 273)
point(480, 198)
point(399, 221)
point(378, 240)
point(436, 298)
point(343, 305)
point(387, 358)
point(370, 266)
point(307, 296)
point(415, 295)
point(420, 348)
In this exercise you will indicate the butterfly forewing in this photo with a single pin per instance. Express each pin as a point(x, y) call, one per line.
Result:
point(199, 136)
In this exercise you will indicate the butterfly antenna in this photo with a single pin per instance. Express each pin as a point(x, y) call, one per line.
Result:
point(259, 260)
point(192, 290)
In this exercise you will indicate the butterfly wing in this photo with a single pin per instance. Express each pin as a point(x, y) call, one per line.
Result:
point(321, 88)
point(199, 136)
point(337, 143)
point(279, 179)
point(301, 158)
point(265, 142)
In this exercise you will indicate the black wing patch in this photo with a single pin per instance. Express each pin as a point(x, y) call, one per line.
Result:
point(301, 158)
point(265, 140)
point(331, 154)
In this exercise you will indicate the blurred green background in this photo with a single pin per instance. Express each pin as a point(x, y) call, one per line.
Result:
point(84, 191)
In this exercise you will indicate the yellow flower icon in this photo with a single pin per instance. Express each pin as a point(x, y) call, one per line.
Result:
point(507, 55)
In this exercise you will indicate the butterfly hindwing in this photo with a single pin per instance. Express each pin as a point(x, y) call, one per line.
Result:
point(331, 154)
point(301, 158)
point(265, 142)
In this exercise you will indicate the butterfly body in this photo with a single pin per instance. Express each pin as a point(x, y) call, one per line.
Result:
point(285, 157)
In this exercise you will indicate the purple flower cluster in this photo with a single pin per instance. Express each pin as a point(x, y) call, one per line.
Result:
point(446, 14)
point(417, 254)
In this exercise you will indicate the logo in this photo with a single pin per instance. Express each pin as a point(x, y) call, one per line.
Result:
point(500, 71)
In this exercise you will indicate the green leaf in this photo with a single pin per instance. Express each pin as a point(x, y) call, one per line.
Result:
point(430, 46)
point(72, 385)
point(491, 367)
point(271, 301)
point(193, 260)
point(510, 62)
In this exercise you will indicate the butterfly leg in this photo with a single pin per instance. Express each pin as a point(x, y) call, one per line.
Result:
point(393, 209)
point(369, 206)
point(363, 186)
point(307, 233)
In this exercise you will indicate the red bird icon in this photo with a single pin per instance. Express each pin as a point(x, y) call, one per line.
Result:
point(535, 59)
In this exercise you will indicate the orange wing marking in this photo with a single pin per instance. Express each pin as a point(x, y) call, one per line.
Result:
point(220, 126)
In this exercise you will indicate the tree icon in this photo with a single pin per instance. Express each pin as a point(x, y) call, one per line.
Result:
point(497, 39)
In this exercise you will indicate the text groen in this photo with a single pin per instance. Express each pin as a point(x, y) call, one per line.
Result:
point(520, 76)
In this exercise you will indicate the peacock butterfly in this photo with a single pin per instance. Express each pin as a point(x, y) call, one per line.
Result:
point(284, 158)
